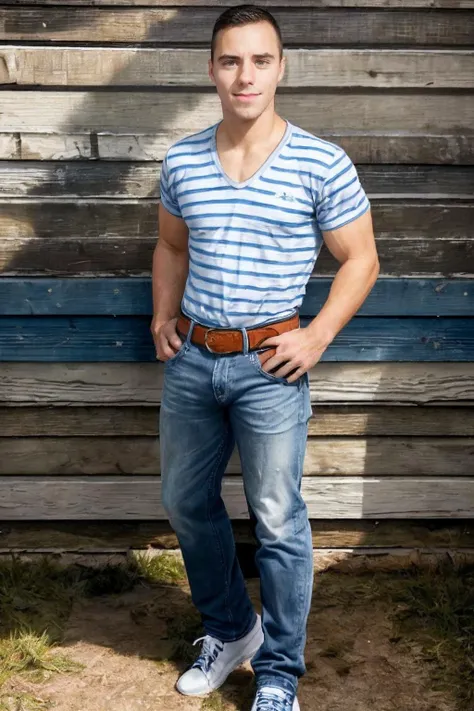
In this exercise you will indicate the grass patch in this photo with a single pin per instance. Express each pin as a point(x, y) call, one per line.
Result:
point(34, 596)
point(432, 611)
point(242, 695)
point(14, 701)
point(106, 580)
point(40, 594)
point(182, 630)
point(25, 652)
point(36, 599)
point(164, 568)
point(35, 603)
point(115, 579)
point(213, 702)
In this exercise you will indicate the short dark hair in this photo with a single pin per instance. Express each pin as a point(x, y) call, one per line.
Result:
point(244, 15)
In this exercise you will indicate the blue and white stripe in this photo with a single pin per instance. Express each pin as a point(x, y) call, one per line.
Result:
point(253, 245)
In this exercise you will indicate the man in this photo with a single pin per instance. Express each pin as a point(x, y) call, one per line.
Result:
point(245, 206)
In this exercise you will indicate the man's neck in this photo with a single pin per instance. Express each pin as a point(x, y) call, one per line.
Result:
point(249, 135)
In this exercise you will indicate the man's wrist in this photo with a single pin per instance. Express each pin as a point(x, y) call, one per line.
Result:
point(158, 322)
point(321, 335)
point(163, 318)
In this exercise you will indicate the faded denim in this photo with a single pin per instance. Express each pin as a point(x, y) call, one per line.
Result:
point(210, 403)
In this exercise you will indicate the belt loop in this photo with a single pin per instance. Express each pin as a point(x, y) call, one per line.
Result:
point(190, 331)
point(245, 341)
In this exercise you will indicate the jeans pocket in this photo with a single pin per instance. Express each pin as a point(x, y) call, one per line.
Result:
point(254, 357)
point(177, 356)
point(255, 360)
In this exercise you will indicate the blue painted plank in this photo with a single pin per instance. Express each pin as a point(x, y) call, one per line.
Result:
point(132, 297)
point(125, 338)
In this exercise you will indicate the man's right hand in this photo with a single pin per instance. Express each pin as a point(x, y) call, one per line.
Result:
point(166, 338)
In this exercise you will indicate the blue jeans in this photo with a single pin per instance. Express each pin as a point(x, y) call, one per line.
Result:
point(209, 403)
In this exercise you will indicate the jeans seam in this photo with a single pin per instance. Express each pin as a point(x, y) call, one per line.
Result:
point(302, 584)
point(298, 514)
point(306, 395)
point(212, 478)
point(303, 587)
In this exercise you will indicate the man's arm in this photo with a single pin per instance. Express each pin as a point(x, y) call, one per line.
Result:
point(169, 274)
point(353, 245)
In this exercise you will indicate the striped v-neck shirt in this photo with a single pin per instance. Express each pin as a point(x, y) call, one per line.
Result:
point(253, 244)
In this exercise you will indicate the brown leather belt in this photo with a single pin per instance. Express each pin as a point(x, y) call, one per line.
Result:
point(226, 341)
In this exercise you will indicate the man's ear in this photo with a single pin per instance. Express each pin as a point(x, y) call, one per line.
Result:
point(282, 69)
point(211, 71)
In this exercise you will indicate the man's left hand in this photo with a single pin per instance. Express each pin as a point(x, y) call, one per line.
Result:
point(298, 350)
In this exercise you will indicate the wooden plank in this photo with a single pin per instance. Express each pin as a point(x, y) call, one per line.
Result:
point(72, 179)
point(328, 420)
point(111, 537)
point(128, 339)
point(141, 180)
point(433, 4)
point(133, 297)
point(35, 217)
point(440, 112)
point(363, 147)
point(79, 146)
point(44, 146)
point(427, 149)
point(305, 26)
point(399, 257)
point(354, 68)
point(325, 456)
point(384, 420)
point(138, 498)
point(412, 219)
point(24, 219)
point(141, 383)
point(8, 146)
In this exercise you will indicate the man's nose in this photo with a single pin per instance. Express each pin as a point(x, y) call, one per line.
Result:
point(247, 73)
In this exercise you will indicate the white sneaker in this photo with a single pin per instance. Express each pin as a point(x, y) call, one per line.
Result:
point(217, 660)
point(272, 698)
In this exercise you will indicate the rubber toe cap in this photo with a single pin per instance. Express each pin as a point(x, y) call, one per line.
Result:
point(193, 682)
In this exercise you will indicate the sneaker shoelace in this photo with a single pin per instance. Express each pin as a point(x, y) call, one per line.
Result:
point(266, 701)
point(211, 648)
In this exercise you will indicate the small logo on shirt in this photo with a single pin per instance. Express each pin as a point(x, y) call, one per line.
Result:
point(286, 196)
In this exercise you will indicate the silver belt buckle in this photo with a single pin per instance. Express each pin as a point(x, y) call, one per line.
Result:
point(205, 339)
point(208, 346)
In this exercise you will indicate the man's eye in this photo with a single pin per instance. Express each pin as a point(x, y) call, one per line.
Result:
point(261, 62)
point(229, 62)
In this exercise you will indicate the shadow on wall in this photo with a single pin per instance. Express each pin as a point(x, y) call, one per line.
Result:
point(90, 211)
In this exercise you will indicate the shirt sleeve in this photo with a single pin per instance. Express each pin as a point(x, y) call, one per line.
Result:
point(168, 190)
point(342, 198)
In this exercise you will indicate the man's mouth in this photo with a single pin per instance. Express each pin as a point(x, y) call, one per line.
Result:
point(246, 97)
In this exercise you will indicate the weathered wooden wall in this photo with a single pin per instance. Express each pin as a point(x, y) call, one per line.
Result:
point(91, 96)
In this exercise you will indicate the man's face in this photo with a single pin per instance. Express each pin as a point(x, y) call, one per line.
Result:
point(246, 69)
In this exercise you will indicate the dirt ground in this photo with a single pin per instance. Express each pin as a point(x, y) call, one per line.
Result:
point(355, 661)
